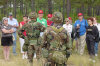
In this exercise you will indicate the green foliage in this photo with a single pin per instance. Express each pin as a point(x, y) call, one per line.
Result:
point(57, 5)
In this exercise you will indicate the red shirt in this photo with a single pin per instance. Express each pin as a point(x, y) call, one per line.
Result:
point(22, 25)
point(49, 22)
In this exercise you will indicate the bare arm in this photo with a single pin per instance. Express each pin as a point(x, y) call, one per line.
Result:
point(20, 25)
point(15, 26)
point(7, 31)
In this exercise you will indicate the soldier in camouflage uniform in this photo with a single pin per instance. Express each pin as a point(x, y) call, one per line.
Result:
point(56, 43)
point(32, 40)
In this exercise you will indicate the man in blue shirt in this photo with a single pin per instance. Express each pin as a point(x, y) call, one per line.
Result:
point(80, 27)
point(12, 21)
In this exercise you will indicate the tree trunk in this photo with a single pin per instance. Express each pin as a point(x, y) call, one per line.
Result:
point(4, 9)
point(68, 8)
point(89, 10)
point(26, 10)
point(14, 8)
point(10, 3)
point(82, 9)
point(99, 10)
point(21, 6)
point(1, 10)
point(77, 11)
point(50, 6)
point(93, 11)
point(60, 8)
point(33, 5)
point(63, 10)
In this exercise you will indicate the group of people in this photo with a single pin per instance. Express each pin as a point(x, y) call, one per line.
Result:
point(85, 32)
point(50, 42)
point(38, 35)
point(88, 31)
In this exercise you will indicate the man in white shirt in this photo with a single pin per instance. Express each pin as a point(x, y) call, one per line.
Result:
point(68, 26)
point(12, 21)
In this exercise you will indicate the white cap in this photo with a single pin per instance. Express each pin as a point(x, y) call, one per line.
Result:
point(4, 18)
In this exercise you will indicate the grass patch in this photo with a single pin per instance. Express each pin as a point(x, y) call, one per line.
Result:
point(74, 60)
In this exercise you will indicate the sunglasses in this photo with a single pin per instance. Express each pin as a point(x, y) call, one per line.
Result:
point(5, 20)
point(67, 21)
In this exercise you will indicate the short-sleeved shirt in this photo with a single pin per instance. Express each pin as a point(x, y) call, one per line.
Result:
point(42, 21)
point(83, 24)
point(49, 22)
point(13, 22)
point(7, 28)
point(68, 28)
point(22, 25)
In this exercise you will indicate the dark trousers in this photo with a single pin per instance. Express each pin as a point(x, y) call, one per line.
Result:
point(90, 46)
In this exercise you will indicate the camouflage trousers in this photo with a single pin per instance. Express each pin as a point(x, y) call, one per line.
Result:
point(31, 49)
point(51, 63)
point(30, 53)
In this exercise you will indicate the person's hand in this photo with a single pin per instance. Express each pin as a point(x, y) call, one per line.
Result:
point(48, 25)
point(29, 20)
point(78, 27)
point(11, 31)
point(14, 26)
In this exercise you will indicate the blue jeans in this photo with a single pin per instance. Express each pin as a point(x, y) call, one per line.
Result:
point(14, 42)
point(96, 47)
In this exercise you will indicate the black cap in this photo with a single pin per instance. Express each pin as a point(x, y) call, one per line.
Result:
point(10, 14)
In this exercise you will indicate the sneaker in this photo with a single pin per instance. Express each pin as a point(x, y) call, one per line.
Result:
point(23, 56)
point(34, 55)
point(96, 55)
point(93, 61)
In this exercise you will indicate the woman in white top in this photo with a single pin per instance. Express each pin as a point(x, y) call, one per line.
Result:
point(22, 41)
point(96, 43)
point(68, 26)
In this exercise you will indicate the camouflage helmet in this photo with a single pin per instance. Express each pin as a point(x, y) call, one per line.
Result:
point(33, 15)
point(57, 17)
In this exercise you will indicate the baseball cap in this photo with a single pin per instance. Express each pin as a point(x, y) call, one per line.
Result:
point(69, 18)
point(4, 18)
point(40, 11)
point(80, 14)
point(66, 19)
point(49, 15)
point(10, 14)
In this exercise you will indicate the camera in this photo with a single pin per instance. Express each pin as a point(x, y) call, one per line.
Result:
point(78, 31)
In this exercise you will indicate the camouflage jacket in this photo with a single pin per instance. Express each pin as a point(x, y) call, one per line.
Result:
point(57, 44)
point(56, 38)
point(33, 30)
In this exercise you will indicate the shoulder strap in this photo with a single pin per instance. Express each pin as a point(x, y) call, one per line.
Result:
point(57, 30)
point(85, 24)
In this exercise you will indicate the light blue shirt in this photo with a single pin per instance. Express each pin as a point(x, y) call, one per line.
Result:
point(83, 24)
point(13, 22)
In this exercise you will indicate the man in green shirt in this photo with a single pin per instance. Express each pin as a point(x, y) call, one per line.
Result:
point(40, 19)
